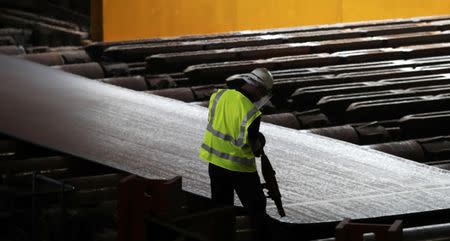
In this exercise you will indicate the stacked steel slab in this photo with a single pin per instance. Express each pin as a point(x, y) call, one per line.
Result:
point(383, 84)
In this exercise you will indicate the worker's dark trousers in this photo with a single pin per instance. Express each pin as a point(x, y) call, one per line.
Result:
point(249, 190)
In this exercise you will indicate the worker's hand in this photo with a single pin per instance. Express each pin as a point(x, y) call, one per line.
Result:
point(259, 145)
point(262, 139)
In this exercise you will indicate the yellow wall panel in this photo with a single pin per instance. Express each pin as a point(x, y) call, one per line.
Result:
point(273, 13)
point(356, 10)
point(146, 18)
point(152, 18)
point(134, 19)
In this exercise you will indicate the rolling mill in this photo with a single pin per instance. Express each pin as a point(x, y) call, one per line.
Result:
point(99, 138)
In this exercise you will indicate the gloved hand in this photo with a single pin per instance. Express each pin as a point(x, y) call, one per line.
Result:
point(262, 139)
point(259, 145)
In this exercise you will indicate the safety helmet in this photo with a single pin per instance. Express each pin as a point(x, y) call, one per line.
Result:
point(259, 76)
point(263, 77)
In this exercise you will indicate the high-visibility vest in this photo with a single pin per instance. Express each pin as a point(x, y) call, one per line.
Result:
point(225, 142)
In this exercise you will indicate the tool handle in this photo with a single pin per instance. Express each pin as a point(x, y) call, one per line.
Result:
point(271, 183)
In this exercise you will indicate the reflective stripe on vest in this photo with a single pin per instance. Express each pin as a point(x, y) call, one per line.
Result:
point(242, 160)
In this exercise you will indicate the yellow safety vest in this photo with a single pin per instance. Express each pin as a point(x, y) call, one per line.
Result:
point(225, 142)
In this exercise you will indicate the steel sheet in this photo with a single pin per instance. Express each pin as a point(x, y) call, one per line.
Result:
point(321, 179)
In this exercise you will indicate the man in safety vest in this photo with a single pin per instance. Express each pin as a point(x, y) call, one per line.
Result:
point(232, 141)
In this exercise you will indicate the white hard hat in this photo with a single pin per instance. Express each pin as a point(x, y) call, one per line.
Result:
point(259, 76)
point(263, 77)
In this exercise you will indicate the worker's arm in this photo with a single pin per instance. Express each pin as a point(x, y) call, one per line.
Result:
point(256, 139)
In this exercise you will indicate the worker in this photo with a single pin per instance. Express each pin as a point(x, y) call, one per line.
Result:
point(232, 141)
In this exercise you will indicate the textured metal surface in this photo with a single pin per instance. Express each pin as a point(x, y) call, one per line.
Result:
point(223, 69)
point(7, 40)
point(89, 70)
point(96, 49)
point(179, 60)
point(310, 95)
point(49, 59)
point(320, 179)
point(12, 50)
point(46, 31)
point(357, 67)
point(393, 108)
point(426, 124)
point(137, 83)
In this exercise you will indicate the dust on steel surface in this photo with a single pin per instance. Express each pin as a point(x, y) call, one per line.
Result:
point(321, 179)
